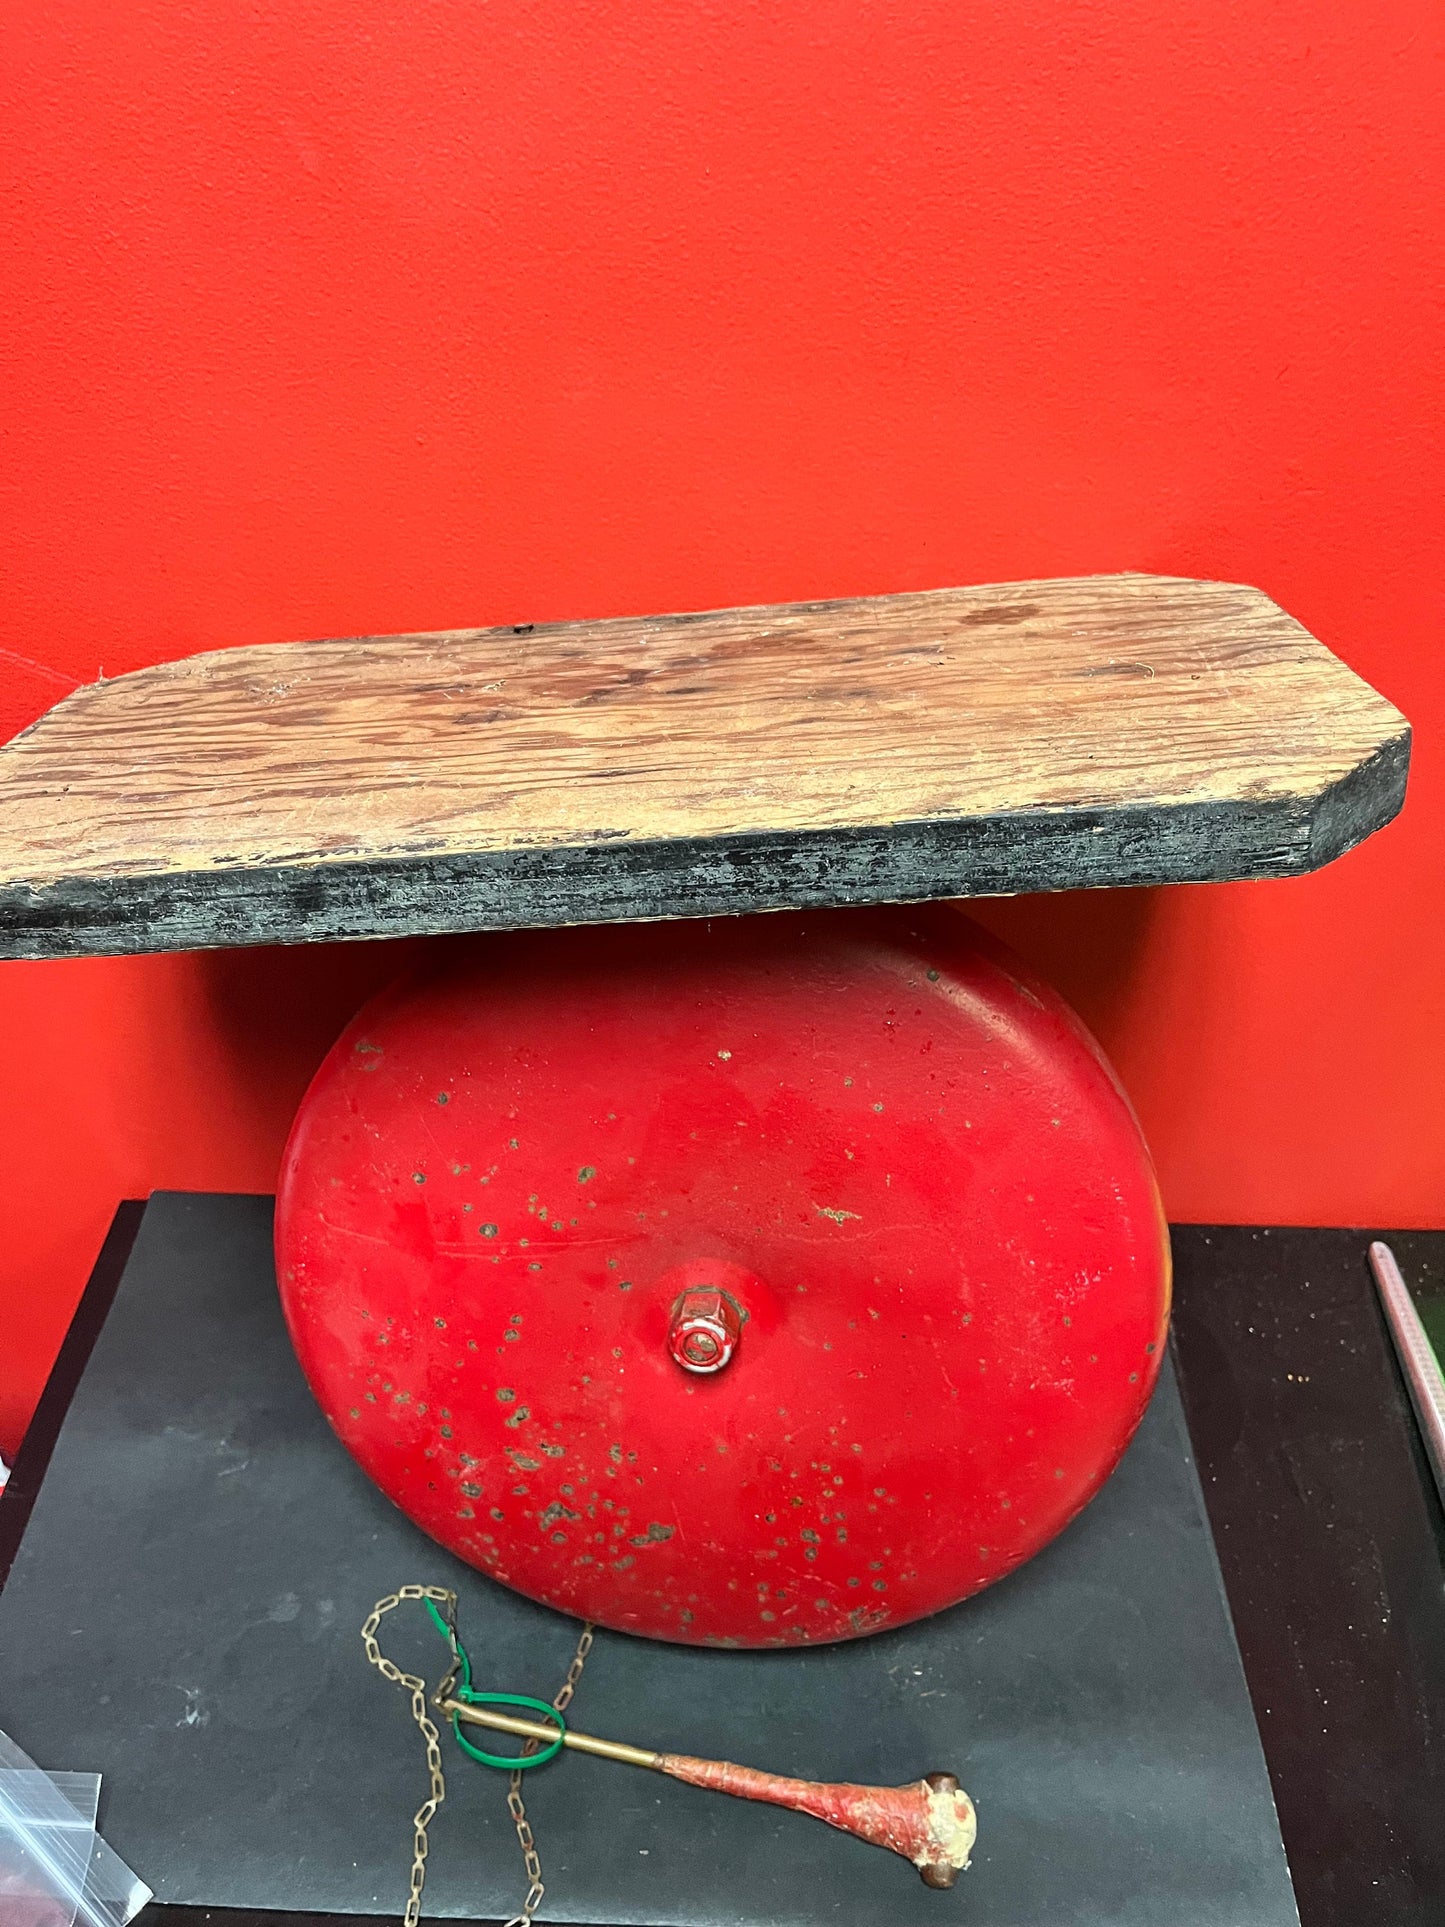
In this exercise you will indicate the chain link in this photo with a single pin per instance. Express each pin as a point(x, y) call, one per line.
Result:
point(516, 1806)
point(416, 1686)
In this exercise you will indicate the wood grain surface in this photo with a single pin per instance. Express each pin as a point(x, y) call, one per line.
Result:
point(1032, 736)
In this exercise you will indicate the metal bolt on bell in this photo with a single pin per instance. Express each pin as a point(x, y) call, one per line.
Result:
point(705, 1330)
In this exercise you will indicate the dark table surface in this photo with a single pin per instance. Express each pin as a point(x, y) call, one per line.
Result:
point(1328, 1530)
point(1330, 1536)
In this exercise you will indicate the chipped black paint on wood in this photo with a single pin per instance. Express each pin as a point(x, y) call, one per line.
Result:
point(1036, 736)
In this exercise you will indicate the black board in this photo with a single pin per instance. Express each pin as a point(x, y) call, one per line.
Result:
point(183, 1616)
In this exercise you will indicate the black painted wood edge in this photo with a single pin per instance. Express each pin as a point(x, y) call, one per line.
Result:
point(1371, 795)
point(623, 881)
point(54, 1402)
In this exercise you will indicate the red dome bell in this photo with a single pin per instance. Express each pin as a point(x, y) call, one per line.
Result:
point(755, 1283)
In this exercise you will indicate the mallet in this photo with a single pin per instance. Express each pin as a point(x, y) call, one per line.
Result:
point(929, 1821)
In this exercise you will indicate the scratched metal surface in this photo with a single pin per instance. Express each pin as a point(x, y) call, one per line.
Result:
point(182, 1617)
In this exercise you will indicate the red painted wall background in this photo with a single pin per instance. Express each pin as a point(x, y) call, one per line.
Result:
point(332, 318)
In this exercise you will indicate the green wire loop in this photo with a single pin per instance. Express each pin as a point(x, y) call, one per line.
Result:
point(504, 1763)
point(516, 1762)
point(449, 1634)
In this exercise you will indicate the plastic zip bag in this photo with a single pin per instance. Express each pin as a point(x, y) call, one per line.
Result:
point(55, 1870)
point(26, 1888)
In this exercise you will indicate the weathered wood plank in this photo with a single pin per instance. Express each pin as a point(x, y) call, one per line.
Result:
point(1030, 736)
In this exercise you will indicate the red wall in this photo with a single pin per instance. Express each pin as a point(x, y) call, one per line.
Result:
point(334, 318)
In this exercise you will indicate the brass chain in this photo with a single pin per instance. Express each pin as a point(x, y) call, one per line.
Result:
point(416, 1686)
point(517, 1807)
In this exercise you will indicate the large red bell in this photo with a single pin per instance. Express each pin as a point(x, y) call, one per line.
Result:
point(755, 1283)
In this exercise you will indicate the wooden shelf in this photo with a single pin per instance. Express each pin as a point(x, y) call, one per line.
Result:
point(963, 742)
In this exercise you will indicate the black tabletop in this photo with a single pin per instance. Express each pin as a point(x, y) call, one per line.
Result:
point(1329, 1531)
point(1327, 1526)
